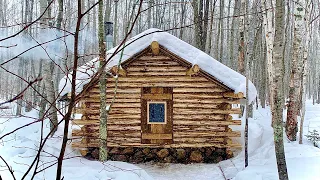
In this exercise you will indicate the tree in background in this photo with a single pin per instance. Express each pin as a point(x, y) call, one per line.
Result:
point(296, 70)
point(103, 154)
point(277, 80)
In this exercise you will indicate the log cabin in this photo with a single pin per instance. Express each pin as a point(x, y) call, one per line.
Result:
point(168, 102)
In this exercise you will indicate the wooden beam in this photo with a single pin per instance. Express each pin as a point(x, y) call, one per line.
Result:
point(193, 70)
point(206, 122)
point(204, 134)
point(118, 71)
point(155, 48)
point(180, 145)
point(156, 136)
point(205, 111)
point(154, 58)
point(155, 96)
point(233, 95)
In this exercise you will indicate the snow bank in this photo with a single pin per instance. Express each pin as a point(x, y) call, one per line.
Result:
point(302, 163)
point(224, 74)
point(19, 150)
point(303, 160)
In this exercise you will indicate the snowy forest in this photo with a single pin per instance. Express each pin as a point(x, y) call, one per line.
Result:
point(253, 64)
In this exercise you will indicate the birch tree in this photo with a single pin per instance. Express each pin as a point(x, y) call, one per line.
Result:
point(277, 80)
point(269, 37)
point(242, 49)
point(296, 70)
point(304, 69)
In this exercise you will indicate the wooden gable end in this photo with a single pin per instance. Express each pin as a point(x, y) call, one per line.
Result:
point(165, 63)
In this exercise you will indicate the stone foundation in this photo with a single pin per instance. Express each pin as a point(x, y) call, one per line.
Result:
point(164, 155)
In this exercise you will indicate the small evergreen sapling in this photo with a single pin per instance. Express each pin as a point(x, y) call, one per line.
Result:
point(314, 137)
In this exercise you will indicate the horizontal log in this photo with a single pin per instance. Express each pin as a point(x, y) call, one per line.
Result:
point(97, 122)
point(118, 90)
point(125, 134)
point(175, 73)
point(114, 111)
point(224, 106)
point(200, 116)
point(117, 140)
point(205, 111)
point(118, 128)
point(154, 63)
point(203, 106)
point(114, 116)
point(206, 101)
point(116, 100)
point(196, 128)
point(206, 122)
point(117, 105)
point(198, 140)
point(181, 145)
point(129, 100)
point(161, 84)
point(202, 134)
point(110, 143)
point(154, 58)
point(197, 90)
point(155, 68)
point(160, 79)
point(233, 95)
point(199, 96)
point(125, 110)
point(157, 96)
point(96, 96)
point(156, 136)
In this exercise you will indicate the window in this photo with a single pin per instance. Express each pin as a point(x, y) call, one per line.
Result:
point(157, 112)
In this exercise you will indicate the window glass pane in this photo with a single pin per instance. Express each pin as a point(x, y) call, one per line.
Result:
point(156, 112)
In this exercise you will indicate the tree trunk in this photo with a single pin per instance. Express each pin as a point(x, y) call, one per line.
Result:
point(51, 96)
point(269, 35)
point(304, 72)
point(103, 154)
point(60, 14)
point(182, 17)
point(115, 23)
point(221, 23)
point(234, 23)
point(241, 56)
point(277, 73)
point(211, 27)
point(296, 71)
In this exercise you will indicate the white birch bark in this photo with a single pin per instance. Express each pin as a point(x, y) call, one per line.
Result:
point(269, 36)
point(305, 71)
point(296, 70)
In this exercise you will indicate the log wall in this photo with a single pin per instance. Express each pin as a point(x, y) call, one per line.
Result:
point(201, 107)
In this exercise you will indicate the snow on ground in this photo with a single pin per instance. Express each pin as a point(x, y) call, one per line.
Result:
point(19, 149)
point(303, 161)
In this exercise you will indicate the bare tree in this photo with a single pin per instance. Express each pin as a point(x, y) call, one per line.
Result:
point(277, 73)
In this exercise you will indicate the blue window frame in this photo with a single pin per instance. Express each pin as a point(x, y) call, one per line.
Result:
point(157, 112)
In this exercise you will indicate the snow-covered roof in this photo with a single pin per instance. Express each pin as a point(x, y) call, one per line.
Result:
point(136, 44)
